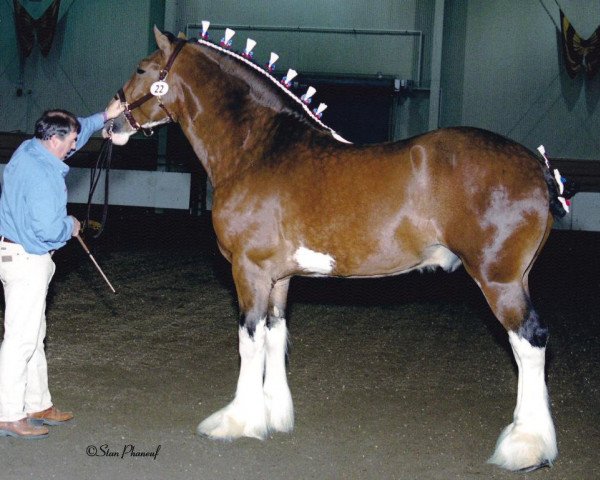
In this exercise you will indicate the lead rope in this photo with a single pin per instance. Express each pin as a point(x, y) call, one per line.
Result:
point(102, 163)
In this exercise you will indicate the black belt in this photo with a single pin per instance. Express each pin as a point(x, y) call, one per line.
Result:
point(8, 240)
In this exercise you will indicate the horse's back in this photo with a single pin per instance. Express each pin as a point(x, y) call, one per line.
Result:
point(477, 194)
point(465, 155)
point(453, 176)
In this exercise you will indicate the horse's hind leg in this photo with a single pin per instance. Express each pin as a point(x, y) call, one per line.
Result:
point(278, 399)
point(246, 415)
point(529, 442)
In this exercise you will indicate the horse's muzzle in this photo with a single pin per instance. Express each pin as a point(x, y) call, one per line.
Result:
point(118, 130)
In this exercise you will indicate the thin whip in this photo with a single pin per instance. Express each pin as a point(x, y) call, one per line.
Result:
point(94, 262)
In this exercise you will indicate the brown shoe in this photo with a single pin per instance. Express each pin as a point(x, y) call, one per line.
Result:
point(50, 416)
point(22, 429)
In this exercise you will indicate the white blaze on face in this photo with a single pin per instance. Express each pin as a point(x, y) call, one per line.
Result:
point(314, 262)
point(121, 138)
point(157, 123)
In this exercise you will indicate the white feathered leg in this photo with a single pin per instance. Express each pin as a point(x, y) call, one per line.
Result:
point(278, 399)
point(246, 415)
point(530, 441)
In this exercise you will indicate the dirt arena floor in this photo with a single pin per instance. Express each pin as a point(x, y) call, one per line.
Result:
point(400, 378)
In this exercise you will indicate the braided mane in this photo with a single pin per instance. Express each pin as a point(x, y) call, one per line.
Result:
point(300, 107)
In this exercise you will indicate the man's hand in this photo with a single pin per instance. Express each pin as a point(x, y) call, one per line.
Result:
point(76, 226)
point(114, 109)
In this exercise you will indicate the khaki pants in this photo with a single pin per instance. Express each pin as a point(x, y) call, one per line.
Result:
point(23, 371)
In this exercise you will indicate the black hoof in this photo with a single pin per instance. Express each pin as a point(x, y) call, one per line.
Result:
point(533, 468)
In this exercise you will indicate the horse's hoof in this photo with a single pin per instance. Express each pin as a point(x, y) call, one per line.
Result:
point(280, 411)
point(219, 427)
point(533, 468)
point(229, 424)
point(523, 450)
point(203, 432)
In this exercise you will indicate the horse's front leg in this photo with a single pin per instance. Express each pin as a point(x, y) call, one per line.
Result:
point(246, 415)
point(280, 409)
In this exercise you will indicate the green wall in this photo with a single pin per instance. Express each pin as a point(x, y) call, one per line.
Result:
point(501, 62)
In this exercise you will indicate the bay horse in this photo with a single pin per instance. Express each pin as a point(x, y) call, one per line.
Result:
point(291, 197)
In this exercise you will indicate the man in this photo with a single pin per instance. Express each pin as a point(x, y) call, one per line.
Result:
point(34, 223)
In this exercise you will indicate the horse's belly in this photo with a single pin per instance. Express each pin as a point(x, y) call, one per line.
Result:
point(439, 256)
point(314, 263)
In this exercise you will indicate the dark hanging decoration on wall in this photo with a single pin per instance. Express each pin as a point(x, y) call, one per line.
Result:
point(578, 52)
point(28, 27)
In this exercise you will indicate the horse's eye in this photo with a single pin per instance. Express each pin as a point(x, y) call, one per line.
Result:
point(141, 71)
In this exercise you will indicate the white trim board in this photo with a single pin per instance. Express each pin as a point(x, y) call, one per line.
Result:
point(133, 188)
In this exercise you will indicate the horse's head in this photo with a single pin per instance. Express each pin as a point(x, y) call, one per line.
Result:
point(148, 97)
point(217, 96)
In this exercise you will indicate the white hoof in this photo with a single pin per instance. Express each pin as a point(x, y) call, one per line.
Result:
point(233, 422)
point(519, 449)
point(280, 411)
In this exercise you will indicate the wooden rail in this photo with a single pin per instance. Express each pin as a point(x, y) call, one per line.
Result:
point(138, 154)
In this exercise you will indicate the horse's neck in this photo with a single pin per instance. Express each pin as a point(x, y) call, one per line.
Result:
point(235, 126)
point(225, 148)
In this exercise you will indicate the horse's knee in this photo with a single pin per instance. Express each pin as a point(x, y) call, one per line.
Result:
point(252, 338)
point(534, 330)
point(249, 322)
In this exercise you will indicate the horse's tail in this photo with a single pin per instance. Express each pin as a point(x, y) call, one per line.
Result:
point(556, 207)
point(570, 188)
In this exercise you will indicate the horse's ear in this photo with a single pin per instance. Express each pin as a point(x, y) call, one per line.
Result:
point(161, 40)
point(182, 36)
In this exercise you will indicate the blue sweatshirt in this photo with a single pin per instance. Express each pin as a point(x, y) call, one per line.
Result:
point(33, 205)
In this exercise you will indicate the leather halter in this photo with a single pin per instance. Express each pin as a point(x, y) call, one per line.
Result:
point(140, 101)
